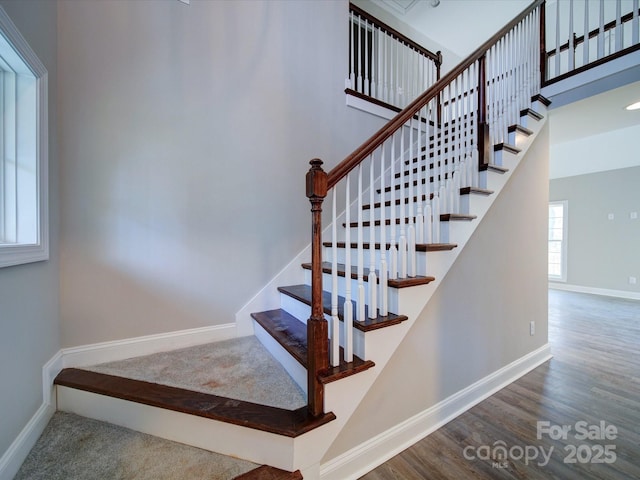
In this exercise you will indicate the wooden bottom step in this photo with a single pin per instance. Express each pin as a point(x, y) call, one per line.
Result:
point(290, 423)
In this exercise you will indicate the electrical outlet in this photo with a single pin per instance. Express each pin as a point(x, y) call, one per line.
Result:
point(611, 216)
point(633, 280)
point(532, 328)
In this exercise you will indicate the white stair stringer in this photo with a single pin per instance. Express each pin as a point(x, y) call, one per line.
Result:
point(343, 397)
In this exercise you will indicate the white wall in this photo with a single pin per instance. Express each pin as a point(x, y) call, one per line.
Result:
point(29, 312)
point(186, 132)
point(478, 320)
point(602, 253)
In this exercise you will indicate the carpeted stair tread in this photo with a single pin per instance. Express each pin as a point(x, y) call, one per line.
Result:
point(290, 423)
point(394, 283)
point(302, 293)
point(265, 472)
point(291, 333)
point(420, 247)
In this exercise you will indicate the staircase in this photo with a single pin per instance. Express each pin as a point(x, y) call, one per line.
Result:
point(403, 207)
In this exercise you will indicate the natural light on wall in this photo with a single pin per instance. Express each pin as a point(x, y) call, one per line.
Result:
point(558, 241)
point(23, 150)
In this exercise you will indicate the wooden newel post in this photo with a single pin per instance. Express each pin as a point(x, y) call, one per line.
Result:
point(484, 141)
point(317, 329)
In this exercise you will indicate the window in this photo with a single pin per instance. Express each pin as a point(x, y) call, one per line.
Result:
point(558, 241)
point(23, 150)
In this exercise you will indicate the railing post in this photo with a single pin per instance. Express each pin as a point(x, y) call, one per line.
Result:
point(484, 141)
point(317, 329)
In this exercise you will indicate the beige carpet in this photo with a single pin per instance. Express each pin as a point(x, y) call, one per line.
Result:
point(240, 368)
point(78, 448)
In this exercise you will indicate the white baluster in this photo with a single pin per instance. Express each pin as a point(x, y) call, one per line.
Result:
point(411, 232)
point(348, 304)
point(601, 32)
point(585, 44)
point(419, 179)
point(635, 26)
point(402, 242)
point(373, 279)
point(571, 53)
point(352, 71)
point(618, 30)
point(359, 88)
point(393, 250)
point(435, 214)
point(366, 57)
point(360, 316)
point(334, 351)
point(384, 275)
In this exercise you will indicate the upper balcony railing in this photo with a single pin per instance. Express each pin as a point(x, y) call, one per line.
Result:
point(384, 64)
point(581, 34)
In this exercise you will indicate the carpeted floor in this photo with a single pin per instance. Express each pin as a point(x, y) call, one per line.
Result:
point(78, 448)
point(240, 368)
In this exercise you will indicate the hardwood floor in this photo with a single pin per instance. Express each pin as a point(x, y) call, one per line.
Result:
point(592, 386)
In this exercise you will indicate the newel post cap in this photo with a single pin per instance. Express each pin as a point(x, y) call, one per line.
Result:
point(316, 180)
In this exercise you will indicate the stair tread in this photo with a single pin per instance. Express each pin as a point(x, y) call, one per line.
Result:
point(507, 148)
point(423, 198)
point(289, 423)
point(444, 217)
point(420, 247)
point(394, 283)
point(494, 168)
point(291, 333)
point(265, 472)
point(531, 113)
point(302, 293)
point(520, 129)
point(542, 99)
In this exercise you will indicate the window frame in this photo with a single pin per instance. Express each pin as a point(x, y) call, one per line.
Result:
point(563, 243)
point(21, 253)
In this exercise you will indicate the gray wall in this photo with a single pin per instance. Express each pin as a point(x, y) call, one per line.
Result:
point(186, 132)
point(478, 320)
point(29, 312)
point(602, 253)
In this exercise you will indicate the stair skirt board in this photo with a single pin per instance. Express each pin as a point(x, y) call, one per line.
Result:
point(374, 452)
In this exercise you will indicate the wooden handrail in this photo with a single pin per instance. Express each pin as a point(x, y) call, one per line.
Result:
point(436, 57)
point(368, 147)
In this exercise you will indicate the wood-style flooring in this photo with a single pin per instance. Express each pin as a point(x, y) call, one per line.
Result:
point(592, 386)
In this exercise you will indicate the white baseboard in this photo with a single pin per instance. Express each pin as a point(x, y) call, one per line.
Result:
point(16, 453)
point(374, 452)
point(595, 291)
point(92, 354)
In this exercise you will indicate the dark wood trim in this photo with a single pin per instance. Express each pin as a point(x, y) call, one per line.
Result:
point(374, 142)
point(265, 472)
point(505, 147)
point(393, 283)
point(290, 333)
point(436, 57)
point(591, 65)
point(317, 328)
point(542, 26)
point(302, 293)
point(289, 423)
point(420, 247)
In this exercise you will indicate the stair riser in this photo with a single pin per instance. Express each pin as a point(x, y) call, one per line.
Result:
point(295, 370)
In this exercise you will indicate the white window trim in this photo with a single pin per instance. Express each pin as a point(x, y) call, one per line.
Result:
point(20, 254)
point(563, 265)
